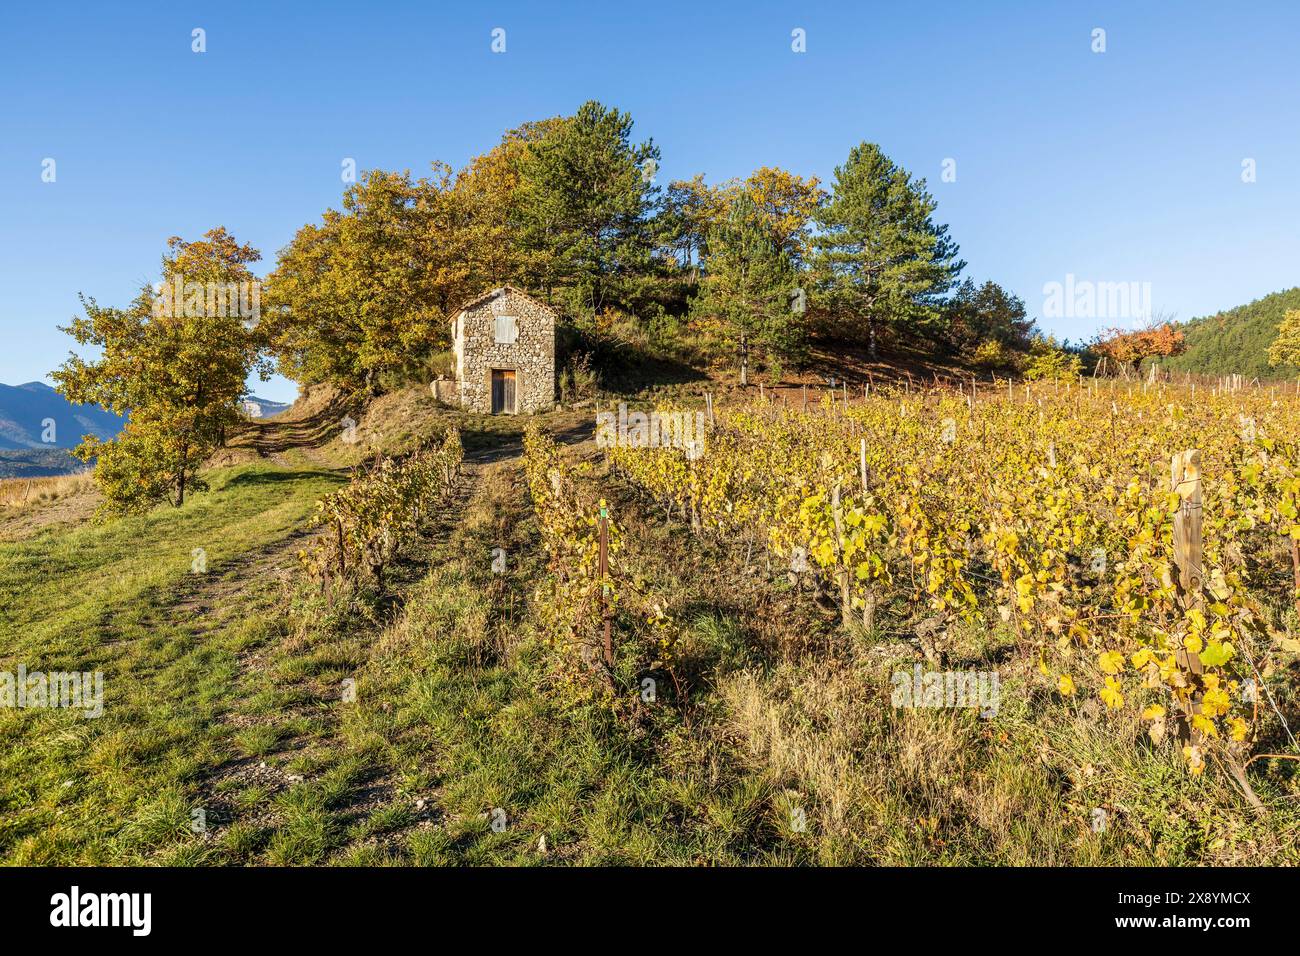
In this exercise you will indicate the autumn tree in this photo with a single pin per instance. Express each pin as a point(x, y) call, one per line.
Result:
point(746, 291)
point(785, 205)
point(1285, 349)
point(881, 259)
point(175, 361)
point(365, 292)
point(1127, 349)
point(690, 208)
point(368, 290)
point(1049, 360)
point(481, 226)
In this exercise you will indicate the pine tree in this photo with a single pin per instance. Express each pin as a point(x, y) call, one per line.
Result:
point(585, 198)
point(880, 258)
point(748, 285)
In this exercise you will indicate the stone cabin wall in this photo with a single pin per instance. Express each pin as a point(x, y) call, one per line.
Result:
point(531, 356)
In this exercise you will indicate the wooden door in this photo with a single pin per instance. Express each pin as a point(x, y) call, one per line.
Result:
point(503, 391)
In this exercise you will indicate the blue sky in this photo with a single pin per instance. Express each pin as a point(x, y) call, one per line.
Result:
point(1117, 166)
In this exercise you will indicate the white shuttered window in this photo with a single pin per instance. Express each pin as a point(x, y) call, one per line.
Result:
point(507, 329)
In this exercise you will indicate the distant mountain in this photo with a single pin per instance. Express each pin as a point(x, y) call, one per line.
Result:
point(26, 414)
point(1236, 340)
point(38, 463)
point(31, 413)
point(255, 407)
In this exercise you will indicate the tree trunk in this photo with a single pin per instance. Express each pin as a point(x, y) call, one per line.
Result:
point(744, 359)
point(871, 338)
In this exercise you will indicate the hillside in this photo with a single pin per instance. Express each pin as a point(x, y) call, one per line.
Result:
point(435, 717)
point(25, 409)
point(255, 407)
point(38, 462)
point(1236, 340)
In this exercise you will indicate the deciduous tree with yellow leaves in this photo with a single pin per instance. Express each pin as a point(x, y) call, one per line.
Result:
point(175, 361)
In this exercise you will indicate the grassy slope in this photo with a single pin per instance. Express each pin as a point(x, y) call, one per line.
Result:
point(225, 693)
point(116, 598)
point(218, 699)
point(456, 708)
point(1236, 340)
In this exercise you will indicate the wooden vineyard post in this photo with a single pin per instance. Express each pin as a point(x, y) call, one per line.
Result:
point(604, 587)
point(1185, 479)
point(862, 470)
point(846, 600)
point(1295, 570)
point(343, 568)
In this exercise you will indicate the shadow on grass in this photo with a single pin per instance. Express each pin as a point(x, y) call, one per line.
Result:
point(258, 478)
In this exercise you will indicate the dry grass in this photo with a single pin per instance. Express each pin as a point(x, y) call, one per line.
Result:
point(23, 492)
point(884, 785)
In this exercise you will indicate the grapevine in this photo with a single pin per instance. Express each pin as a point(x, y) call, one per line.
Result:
point(1050, 511)
point(366, 522)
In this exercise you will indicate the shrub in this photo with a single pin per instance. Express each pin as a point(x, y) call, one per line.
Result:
point(1048, 361)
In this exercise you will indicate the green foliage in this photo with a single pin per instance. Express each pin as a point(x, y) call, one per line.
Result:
point(690, 208)
point(1047, 360)
point(583, 208)
point(1237, 340)
point(991, 355)
point(370, 520)
point(345, 304)
point(139, 468)
point(747, 289)
point(176, 360)
point(881, 260)
point(978, 314)
point(577, 379)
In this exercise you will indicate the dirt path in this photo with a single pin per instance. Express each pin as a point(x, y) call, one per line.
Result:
point(312, 716)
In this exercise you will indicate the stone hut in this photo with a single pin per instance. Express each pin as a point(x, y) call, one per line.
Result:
point(504, 343)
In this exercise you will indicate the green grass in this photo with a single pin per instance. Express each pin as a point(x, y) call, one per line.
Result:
point(118, 788)
point(225, 694)
point(454, 720)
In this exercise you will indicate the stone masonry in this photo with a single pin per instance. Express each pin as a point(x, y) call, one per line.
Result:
point(509, 331)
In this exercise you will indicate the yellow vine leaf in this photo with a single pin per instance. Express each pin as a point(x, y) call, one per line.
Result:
point(1111, 695)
